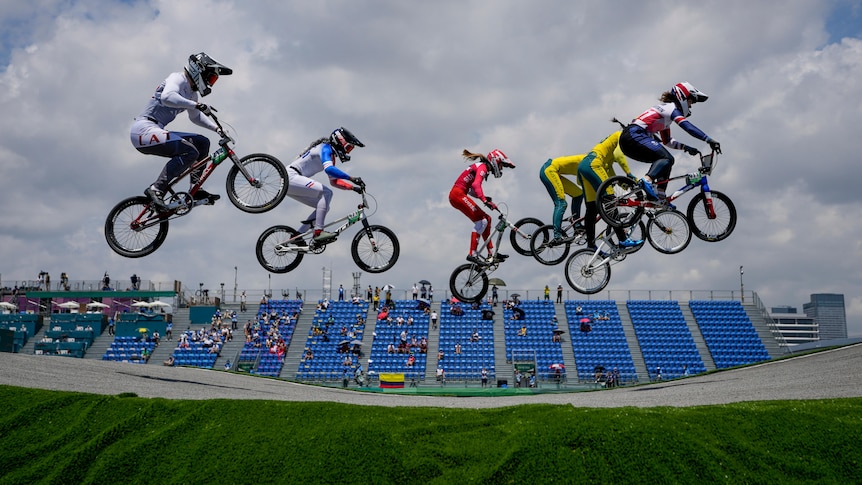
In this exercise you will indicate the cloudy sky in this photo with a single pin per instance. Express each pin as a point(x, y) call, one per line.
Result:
point(418, 82)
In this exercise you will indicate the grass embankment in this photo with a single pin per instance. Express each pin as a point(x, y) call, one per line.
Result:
point(71, 438)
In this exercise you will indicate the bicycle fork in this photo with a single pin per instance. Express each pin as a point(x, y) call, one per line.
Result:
point(366, 228)
point(708, 206)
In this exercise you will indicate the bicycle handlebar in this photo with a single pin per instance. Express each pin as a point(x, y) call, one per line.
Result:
point(225, 138)
point(708, 162)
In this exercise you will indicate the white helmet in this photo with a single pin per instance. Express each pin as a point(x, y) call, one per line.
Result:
point(683, 92)
point(204, 72)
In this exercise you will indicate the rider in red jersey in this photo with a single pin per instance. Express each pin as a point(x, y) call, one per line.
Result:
point(469, 184)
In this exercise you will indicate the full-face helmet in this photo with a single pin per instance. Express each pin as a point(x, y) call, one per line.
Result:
point(684, 92)
point(204, 72)
point(343, 142)
point(496, 161)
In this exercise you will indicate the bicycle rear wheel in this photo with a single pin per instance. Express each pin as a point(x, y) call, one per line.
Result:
point(469, 283)
point(619, 201)
point(711, 230)
point(375, 249)
point(274, 254)
point(520, 238)
point(269, 187)
point(668, 232)
point(545, 254)
point(586, 273)
point(134, 229)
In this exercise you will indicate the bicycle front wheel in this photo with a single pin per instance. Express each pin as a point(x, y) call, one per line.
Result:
point(267, 188)
point(619, 201)
point(520, 235)
point(586, 273)
point(273, 252)
point(714, 229)
point(544, 253)
point(133, 229)
point(375, 249)
point(469, 283)
point(668, 232)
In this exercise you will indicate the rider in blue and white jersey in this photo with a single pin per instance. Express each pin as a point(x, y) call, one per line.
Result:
point(178, 93)
point(320, 156)
point(638, 139)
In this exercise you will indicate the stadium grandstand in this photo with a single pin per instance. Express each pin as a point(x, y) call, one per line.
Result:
point(522, 340)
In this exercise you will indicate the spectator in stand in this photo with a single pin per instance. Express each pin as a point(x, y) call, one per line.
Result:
point(415, 292)
point(458, 348)
point(547, 293)
point(434, 319)
point(309, 355)
point(484, 377)
point(169, 362)
point(559, 293)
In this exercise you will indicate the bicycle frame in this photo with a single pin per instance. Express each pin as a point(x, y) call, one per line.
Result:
point(693, 180)
point(497, 236)
point(345, 222)
point(224, 151)
point(607, 251)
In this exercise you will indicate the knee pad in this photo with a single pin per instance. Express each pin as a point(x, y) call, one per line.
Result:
point(480, 226)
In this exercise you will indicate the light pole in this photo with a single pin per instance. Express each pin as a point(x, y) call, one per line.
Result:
point(741, 286)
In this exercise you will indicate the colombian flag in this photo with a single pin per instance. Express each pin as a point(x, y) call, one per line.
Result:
point(391, 381)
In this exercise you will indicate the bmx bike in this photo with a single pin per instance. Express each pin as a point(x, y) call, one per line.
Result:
point(374, 249)
point(469, 282)
point(256, 183)
point(711, 215)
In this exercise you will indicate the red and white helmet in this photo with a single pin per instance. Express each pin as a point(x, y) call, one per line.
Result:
point(496, 161)
point(684, 92)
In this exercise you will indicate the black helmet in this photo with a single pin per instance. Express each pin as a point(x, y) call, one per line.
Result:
point(204, 72)
point(343, 141)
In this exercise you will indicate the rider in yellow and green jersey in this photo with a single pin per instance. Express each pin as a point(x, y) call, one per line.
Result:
point(558, 187)
point(596, 167)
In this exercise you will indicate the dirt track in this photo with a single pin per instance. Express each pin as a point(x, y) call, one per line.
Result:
point(829, 374)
